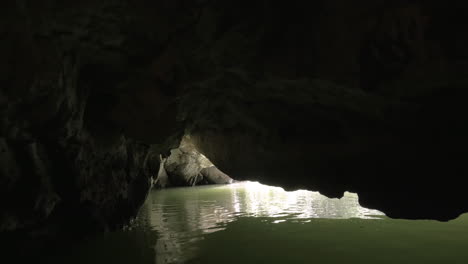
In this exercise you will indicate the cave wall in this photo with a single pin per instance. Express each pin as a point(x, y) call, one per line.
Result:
point(330, 96)
point(81, 115)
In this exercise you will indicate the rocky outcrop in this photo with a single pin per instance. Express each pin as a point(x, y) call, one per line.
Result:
point(213, 175)
point(185, 166)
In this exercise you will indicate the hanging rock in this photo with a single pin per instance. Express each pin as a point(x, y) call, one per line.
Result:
point(188, 167)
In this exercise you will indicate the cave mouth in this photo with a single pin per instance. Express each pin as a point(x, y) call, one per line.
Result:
point(248, 222)
point(365, 96)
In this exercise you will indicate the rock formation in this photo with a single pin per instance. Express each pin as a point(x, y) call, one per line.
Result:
point(185, 166)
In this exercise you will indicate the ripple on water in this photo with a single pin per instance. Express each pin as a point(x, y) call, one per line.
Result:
point(183, 216)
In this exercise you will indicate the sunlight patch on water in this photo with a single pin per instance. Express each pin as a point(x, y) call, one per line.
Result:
point(255, 199)
point(184, 216)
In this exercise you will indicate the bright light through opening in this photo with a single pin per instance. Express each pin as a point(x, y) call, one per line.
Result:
point(255, 199)
point(183, 216)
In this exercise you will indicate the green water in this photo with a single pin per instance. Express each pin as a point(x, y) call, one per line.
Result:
point(253, 223)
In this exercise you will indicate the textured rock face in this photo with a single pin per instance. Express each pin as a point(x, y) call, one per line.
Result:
point(185, 166)
point(364, 96)
point(214, 175)
point(66, 104)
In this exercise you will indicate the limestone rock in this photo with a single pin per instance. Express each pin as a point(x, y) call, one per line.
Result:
point(188, 167)
point(214, 175)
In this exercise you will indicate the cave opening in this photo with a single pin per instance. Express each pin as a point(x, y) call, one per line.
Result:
point(136, 131)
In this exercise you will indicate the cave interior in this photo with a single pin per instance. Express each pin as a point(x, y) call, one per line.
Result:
point(329, 96)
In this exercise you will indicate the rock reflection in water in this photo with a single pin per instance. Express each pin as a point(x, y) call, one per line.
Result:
point(183, 216)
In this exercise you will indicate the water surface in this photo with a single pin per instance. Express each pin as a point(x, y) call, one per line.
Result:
point(185, 216)
point(253, 223)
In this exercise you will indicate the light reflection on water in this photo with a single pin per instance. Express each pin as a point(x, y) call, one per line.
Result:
point(183, 216)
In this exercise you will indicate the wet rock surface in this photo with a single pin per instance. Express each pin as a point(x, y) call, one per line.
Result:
point(214, 175)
